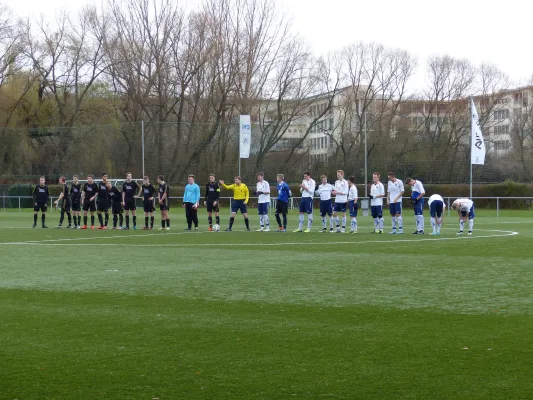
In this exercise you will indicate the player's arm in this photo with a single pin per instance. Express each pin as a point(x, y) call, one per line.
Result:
point(83, 195)
point(123, 195)
point(61, 195)
point(47, 195)
point(266, 189)
point(398, 197)
point(206, 193)
point(381, 192)
point(246, 194)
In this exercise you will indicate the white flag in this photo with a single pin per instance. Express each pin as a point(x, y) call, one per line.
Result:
point(245, 133)
point(477, 145)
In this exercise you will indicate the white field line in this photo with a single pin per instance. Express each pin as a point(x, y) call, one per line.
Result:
point(500, 233)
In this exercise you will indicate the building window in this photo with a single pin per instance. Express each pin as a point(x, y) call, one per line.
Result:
point(501, 129)
point(331, 123)
point(501, 114)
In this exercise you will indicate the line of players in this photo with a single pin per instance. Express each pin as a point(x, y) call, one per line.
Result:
point(107, 196)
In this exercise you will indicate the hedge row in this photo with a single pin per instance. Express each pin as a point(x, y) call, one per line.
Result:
point(505, 189)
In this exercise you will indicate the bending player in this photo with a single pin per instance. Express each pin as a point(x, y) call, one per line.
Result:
point(436, 210)
point(465, 209)
point(417, 194)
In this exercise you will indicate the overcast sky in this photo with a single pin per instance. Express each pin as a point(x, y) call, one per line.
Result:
point(496, 31)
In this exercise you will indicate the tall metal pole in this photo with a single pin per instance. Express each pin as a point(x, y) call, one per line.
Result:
point(142, 146)
point(366, 162)
point(471, 141)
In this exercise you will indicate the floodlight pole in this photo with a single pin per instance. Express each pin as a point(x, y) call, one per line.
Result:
point(366, 161)
point(142, 145)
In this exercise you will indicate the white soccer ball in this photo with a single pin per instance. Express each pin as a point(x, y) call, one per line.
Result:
point(216, 227)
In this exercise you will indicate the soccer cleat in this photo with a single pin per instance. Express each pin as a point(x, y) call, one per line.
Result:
point(34, 226)
point(210, 229)
point(380, 231)
point(400, 232)
point(343, 230)
point(187, 229)
point(70, 226)
point(267, 229)
point(59, 226)
point(323, 230)
point(298, 230)
point(459, 233)
point(100, 228)
point(414, 233)
point(120, 228)
point(420, 232)
point(307, 230)
point(83, 227)
point(44, 226)
point(151, 228)
point(284, 230)
point(92, 227)
point(331, 230)
point(126, 228)
point(469, 233)
point(161, 229)
point(134, 227)
point(392, 232)
point(167, 228)
point(248, 230)
point(433, 234)
point(144, 228)
point(79, 227)
point(260, 230)
point(104, 227)
point(227, 230)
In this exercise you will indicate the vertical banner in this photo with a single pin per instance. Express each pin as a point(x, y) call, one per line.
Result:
point(478, 145)
point(245, 134)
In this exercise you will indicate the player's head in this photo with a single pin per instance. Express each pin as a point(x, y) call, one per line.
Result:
point(260, 177)
point(351, 180)
point(324, 179)
point(90, 178)
point(75, 179)
point(104, 177)
point(108, 185)
point(212, 178)
point(146, 180)
point(340, 174)
point(42, 180)
point(280, 178)
point(161, 178)
point(128, 177)
point(190, 179)
point(410, 181)
point(307, 175)
point(391, 176)
point(62, 180)
point(375, 177)
point(456, 205)
point(237, 180)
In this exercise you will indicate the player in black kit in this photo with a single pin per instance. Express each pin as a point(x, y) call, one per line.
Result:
point(164, 202)
point(148, 191)
point(129, 189)
point(212, 196)
point(65, 206)
point(88, 198)
point(103, 202)
point(40, 201)
point(75, 198)
point(115, 198)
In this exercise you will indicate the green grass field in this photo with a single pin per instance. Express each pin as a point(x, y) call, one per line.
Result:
point(177, 315)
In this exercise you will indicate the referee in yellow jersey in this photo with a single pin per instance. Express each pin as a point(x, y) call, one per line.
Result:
point(241, 194)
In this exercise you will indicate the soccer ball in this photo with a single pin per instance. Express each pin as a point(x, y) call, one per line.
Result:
point(216, 227)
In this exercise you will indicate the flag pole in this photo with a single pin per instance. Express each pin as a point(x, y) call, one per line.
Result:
point(471, 141)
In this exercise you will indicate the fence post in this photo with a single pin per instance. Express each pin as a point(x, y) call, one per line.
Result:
point(497, 208)
point(449, 206)
point(19, 203)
